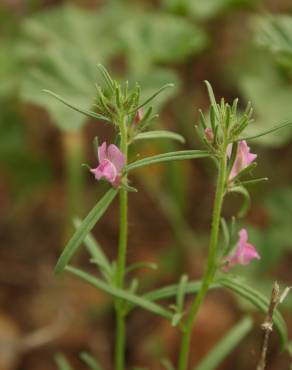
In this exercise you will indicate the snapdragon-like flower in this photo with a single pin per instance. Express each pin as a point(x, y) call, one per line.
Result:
point(243, 254)
point(111, 162)
point(243, 158)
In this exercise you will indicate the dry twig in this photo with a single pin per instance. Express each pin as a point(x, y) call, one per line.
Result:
point(267, 326)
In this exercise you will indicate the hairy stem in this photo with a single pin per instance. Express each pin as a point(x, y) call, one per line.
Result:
point(211, 266)
point(121, 260)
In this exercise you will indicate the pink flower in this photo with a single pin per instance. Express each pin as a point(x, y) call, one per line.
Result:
point(243, 253)
point(138, 116)
point(111, 161)
point(243, 158)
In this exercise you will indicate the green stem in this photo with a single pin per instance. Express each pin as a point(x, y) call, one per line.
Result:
point(121, 260)
point(211, 266)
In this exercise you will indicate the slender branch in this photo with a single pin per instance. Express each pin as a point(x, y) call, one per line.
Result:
point(267, 326)
point(211, 267)
point(121, 260)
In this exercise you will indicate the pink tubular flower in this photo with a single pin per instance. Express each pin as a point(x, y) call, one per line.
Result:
point(243, 158)
point(243, 253)
point(111, 161)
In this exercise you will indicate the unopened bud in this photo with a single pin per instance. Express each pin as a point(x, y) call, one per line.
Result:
point(138, 116)
point(209, 134)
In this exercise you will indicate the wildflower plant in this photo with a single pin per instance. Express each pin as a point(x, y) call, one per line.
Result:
point(222, 133)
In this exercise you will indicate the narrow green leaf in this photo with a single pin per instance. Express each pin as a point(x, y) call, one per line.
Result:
point(226, 345)
point(62, 362)
point(95, 251)
point(160, 134)
point(120, 293)
point(182, 285)
point(154, 96)
point(141, 265)
point(228, 116)
point(107, 77)
point(86, 112)
point(90, 361)
point(167, 364)
point(254, 181)
point(246, 199)
point(257, 299)
point(134, 285)
point(166, 157)
point(202, 120)
point(86, 226)
point(225, 231)
point(96, 146)
point(129, 188)
point(176, 318)
point(171, 290)
point(266, 132)
point(234, 107)
point(213, 119)
point(212, 98)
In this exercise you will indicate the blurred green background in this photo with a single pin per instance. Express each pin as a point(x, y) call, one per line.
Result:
point(244, 48)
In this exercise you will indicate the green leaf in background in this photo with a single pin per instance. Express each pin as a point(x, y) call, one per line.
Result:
point(160, 37)
point(62, 362)
point(271, 96)
point(16, 148)
point(61, 49)
point(274, 32)
point(160, 134)
point(90, 361)
point(151, 78)
point(274, 241)
point(226, 345)
point(120, 293)
point(265, 82)
point(258, 300)
point(166, 157)
point(204, 9)
point(86, 226)
point(9, 68)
